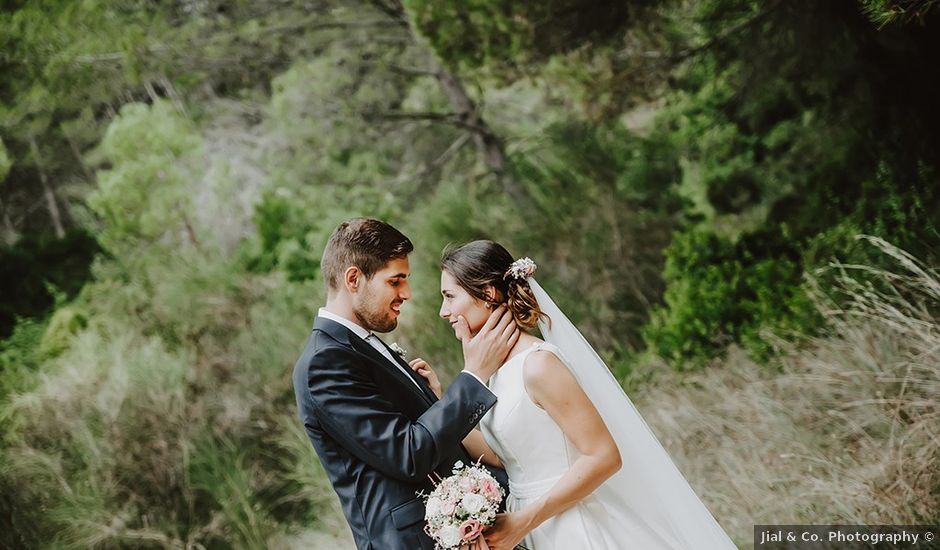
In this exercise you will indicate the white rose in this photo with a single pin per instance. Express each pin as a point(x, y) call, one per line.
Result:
point(433, 508)
point(473, 503)
point(449, 536)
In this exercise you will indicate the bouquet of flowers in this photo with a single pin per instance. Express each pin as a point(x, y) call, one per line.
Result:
point(461, 506)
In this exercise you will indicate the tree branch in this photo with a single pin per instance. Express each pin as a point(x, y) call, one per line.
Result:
point(407, 71)
point(394, 9)
point(453, 119)
point(51, 203)
point(727, 33)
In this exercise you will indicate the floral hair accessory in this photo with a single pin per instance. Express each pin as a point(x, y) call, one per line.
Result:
point(397, 349)
point(521, 269)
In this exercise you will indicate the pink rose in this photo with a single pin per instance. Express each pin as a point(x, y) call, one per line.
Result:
point(490, 489)
point(470, 530)
point(448, 507)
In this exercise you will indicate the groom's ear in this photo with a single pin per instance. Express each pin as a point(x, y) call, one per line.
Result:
point(351, 278)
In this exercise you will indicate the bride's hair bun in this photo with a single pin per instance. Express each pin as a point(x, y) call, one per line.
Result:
point(480, 264)
point(521, 302)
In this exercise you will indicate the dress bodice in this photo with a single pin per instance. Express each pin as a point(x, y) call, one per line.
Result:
point(536, 453)
point(532, 447)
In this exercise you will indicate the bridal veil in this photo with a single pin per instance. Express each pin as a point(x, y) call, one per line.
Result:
point(649, 484)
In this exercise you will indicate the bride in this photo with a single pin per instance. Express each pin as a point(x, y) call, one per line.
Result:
point(585, 470)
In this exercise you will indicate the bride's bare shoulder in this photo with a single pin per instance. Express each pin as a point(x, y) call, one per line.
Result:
point(545, 375)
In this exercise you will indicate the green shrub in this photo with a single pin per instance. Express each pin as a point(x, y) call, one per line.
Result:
point(20, 357)
point(498, 33)
point(64, 324)
point(719, 292)
point(34, 269)
point(146, 192)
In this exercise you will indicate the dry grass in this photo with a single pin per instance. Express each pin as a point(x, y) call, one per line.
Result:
point(842, 430)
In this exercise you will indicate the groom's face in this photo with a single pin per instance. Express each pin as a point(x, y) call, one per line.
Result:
point(377, 301)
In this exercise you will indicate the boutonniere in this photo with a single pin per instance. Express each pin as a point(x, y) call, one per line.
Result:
point(397, 349)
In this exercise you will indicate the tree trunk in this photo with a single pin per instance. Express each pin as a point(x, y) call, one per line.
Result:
point(47, 191)
point(9, 235)
point(173, 95)
point(488, 143)
point(78, 157)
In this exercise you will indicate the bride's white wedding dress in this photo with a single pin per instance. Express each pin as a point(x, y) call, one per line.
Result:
point(647, 505)
point(535, 454)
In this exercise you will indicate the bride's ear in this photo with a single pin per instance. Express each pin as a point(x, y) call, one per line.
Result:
point(490, 292)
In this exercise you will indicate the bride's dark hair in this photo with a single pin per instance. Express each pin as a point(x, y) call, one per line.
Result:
point(479, 264)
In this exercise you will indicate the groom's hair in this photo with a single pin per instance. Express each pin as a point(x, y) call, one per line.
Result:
point(366, 243)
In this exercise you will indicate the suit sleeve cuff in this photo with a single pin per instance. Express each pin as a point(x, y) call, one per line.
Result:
point(477, 378)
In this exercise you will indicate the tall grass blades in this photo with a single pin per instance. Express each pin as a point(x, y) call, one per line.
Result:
point(845, 430)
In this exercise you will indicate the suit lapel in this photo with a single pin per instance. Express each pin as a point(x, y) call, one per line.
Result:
point(344, 335)
point(365, 348)
point(422, 383)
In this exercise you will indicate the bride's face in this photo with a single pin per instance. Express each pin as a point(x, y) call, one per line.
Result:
point(457, 301)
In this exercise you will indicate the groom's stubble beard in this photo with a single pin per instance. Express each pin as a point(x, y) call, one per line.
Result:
point(371, 313)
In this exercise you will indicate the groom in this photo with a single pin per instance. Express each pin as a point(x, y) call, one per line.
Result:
point(378, 429)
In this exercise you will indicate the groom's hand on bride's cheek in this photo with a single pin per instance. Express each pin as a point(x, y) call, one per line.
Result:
point(462, 329)
point(487, 350)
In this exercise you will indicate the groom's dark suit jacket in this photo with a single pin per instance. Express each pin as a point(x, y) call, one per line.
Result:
point(378, 436)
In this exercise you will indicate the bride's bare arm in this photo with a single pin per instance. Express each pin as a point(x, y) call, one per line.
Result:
point(552, 387)
point(476, 447)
